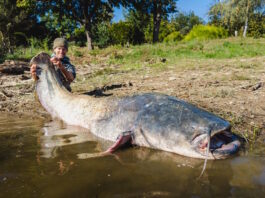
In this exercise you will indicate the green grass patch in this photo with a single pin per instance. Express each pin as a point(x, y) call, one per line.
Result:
point(24, 54)
point(149, 55)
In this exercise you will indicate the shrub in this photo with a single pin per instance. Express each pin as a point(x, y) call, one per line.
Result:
point(206, 32)
point(173, 37)
point(101, 35)
point(256, 26)
point(120, 33)
point(166, 28)
point(79, 36)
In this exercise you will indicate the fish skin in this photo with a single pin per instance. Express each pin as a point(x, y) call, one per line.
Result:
point(158, 121)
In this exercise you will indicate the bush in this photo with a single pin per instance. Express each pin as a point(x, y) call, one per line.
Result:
point(256, 26)
point(173, 37)
point(166, 28)
point(120, 33)
point(79, 36)
point(206, 32)
point(101, 35)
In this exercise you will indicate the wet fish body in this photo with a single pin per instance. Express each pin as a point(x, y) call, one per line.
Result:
point(157, 121)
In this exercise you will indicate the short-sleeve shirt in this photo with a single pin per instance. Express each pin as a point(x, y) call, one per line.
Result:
point(69, 67)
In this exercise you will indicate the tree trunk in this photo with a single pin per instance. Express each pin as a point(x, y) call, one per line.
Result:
point(157, 21)
point(246, 21)
point(245, 28)
point(88, 35)
point(89, 40)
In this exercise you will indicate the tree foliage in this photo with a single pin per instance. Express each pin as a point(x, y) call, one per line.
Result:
point(184, 22)
point(121, 33)
point(87, 13)
point(145, 10)
point(161, 9)
point(14, 18)
point(235, 15)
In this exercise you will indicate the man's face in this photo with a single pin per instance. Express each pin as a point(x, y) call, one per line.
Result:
point(60, 52)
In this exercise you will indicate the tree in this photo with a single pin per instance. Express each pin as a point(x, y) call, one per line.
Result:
point(185, 22)
point(138, 18)
point(235, 14)
point(59, 25)
point(138, 21)
point(87, 13)
point(161, 9)
point(17, 20)
point(121, 32)
point(257, 25)
point(165, 29)
point(158, 9)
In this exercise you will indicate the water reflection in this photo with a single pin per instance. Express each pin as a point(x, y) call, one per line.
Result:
point(40, 160)
point(144, 172)
point(56, 134)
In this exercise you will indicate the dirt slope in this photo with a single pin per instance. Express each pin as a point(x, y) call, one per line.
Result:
point(231, 88)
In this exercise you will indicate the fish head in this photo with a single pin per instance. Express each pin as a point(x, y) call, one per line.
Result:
point(42, 60)
point(221, 143)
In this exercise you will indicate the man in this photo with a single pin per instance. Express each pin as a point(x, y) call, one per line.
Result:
point(63, 67)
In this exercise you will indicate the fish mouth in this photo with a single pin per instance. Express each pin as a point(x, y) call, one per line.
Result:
point(222, 145)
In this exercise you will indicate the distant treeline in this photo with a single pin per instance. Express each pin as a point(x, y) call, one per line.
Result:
point(89, 22)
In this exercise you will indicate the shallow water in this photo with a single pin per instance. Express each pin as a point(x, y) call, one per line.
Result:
point(41, 160)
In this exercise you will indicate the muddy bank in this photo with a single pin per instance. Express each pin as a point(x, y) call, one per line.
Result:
point(233, 89)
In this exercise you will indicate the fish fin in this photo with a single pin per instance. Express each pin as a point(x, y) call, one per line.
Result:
point(123, 139)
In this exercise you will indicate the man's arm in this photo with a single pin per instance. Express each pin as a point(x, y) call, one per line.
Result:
point(68, 75)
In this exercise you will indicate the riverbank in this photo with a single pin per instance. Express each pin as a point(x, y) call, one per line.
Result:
point(226, 77)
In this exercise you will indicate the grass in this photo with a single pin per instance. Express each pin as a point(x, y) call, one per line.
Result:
point(147, 55)
point(24, 54)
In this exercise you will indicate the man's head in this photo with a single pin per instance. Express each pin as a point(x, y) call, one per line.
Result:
point(60, 47)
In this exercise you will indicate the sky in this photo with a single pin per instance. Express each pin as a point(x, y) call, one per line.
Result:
point(200, 8)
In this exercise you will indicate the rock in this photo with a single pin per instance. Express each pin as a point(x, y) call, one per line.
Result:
point(9, 95)
point(253, 87)
point(163, 60)
point(257, 86)
point(2, 97)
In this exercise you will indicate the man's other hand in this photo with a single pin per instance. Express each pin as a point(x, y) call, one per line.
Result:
point(33, 69)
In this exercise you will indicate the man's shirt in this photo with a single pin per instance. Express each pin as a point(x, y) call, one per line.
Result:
point(69, 67)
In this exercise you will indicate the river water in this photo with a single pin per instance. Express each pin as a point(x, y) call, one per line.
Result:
point(50, 160)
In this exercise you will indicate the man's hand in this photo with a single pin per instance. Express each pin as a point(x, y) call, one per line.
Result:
point(56, 62)
point(69, 76)
point(33, 69)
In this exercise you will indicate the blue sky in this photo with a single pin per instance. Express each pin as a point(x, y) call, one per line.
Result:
point(200, 8)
